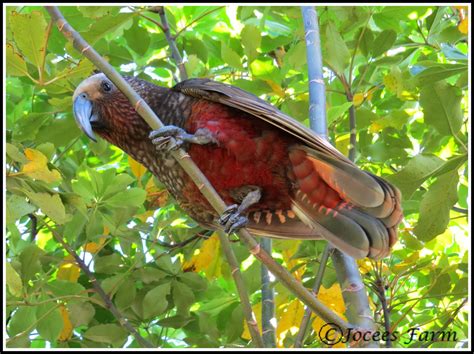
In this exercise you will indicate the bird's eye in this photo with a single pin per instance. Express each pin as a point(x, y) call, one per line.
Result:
point(106, 86)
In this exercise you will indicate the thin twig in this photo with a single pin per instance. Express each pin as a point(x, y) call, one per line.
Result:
point(242, 290)
point(268, 300)
point(317, 284)
point(45, 45)
point(34, 227)
point(185, 161)
point(196, 20)
point(380, 292)
point(108, 302)
point(152, 21)
point(172, 43)
point(357, 47)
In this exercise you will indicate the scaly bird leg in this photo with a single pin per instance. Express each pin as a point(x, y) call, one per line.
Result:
point(232, 218)
point(162, 138)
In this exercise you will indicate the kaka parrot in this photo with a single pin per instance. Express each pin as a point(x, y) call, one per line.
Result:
point(279, 178)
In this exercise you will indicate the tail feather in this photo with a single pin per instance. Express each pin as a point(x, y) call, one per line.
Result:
point(356, 211)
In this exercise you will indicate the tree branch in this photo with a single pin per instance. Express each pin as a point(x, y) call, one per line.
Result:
point(172, 43)
point(242, 290)
point(355, 298)
point(268, 301)
point(317, 95)
point(317, 284)
point(195, 174)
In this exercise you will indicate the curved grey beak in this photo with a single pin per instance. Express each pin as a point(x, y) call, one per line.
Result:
point(82, 108)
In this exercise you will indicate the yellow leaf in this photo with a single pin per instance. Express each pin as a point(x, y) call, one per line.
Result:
point(342, 143)
point(207, 258)
point(358, 99)
point(276, 88)
point(257, 310)
point(291, 263)
point(289, 320)
point(375, 127)
point(463, 27)
point(333, 299)
point(391, 83)
point(68, 269)
point(94, 247)
point(37, 167)
point(66, 332)
point(365, 265)
point(137, 168)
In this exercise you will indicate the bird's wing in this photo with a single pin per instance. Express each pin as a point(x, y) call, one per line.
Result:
point(237, 98)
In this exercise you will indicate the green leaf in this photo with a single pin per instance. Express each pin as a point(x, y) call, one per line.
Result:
point(442, 285)
point(30, 264)
point(296, 56)
point(154, 302)
point(80, 313)
point(439, 72)
point(337, 53)
point(191, 65)
point(61, 287)
point(119, 55)
point(383, 42)
point(23, 319)
point(29, 31)
point(418, 169)
point(251, 40)
point(441, 104)
point(16, 65)
point(50, 322)
point(366, 42)
point(14, 153)
point(98, 11)
point(197, 47)
point(51, 205)
point(108, 25)
point(17, 207)
point(365, 117)
point(125, 294)
point(337, 111)
point(109, 264)
point(193, 280)
point(130, 197)
point(183, 297)
point(107, 333)
point(230, 57)
point(436, 205)
point(13, 281)
point(149, 274)
point(177, 321)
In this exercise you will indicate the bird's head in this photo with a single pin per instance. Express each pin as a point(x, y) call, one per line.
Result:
point(100, 107)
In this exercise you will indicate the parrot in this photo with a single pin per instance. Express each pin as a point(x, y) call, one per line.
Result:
point(278, 178)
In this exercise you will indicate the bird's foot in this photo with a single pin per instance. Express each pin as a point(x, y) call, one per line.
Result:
point(171, 137)
point(232, 219)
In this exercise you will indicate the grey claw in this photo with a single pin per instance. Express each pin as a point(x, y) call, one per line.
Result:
point(235, 223)
point(167, 138)
point(227, 214)
point(232, 220)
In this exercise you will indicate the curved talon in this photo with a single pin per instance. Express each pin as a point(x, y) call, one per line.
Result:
point(171, 137)
point(231, 219)
point(168, 137)
point(225, 216)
